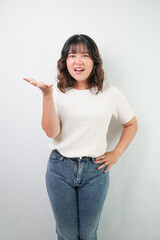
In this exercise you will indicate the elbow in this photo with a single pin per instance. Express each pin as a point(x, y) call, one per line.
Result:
point(133, 123)
point(136, 125)
point(50, 133)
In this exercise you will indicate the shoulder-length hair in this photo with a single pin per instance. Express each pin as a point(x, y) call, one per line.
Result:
point(96, 78)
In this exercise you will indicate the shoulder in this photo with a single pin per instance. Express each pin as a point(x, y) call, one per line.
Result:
point(57, 91)
point(109, 88)
point(55, 88)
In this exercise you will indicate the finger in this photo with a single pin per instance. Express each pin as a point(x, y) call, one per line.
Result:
point(100, 158)
point(102, 166)
point(107, 169)
point(101, 161)
point(27, 79)
point(30, 80)
point(33, 83)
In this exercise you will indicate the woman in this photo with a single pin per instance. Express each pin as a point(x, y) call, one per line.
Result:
point(76, 115)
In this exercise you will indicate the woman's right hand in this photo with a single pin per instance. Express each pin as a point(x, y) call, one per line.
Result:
point(45, 88)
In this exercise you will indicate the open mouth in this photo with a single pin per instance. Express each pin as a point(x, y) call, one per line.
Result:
point(79, 70)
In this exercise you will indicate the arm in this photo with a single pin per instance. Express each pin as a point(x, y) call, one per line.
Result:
point(50, 122)
point(128, 133)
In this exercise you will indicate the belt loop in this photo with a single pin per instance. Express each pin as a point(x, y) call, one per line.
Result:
point(61, 158)
point(92, 160)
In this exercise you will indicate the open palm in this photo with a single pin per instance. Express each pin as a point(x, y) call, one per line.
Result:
point(45, 88)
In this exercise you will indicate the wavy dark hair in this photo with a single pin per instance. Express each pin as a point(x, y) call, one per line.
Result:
point(96, 78)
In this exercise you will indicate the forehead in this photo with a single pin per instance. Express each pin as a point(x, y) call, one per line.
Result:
point(78, 48)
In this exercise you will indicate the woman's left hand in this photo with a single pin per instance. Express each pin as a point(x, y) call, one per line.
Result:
point(109, 158)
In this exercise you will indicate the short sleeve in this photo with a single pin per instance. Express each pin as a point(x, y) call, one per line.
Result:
point(57, 101)
point(122, 109)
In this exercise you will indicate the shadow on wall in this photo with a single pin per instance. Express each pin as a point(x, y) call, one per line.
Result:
point(128, 196)
point(114, 132)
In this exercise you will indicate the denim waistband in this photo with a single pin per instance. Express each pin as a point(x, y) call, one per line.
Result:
point(85, 158)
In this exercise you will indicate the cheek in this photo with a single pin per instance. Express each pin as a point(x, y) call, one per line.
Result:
point(68, 64)
point(90, 65)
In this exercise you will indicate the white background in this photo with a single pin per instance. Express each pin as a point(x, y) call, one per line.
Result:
point(32, 36)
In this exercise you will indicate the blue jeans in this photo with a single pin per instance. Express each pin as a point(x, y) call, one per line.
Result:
point(77, 192)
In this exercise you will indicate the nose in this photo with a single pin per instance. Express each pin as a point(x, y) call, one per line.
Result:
point(78, 60)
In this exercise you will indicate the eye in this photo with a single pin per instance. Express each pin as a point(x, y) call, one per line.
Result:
point(71, 55)
point(85, 55)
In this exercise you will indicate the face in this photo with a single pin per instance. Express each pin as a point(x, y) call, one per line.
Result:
point(79, 64)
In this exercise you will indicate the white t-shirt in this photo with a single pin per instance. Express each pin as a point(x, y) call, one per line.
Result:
point(85, 118)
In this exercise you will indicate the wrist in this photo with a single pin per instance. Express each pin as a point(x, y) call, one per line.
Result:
point(118, 152)
point(47, 95)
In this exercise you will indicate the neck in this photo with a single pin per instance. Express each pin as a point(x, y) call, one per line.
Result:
point(81, 86)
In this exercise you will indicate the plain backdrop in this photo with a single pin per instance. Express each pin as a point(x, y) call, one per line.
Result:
point(32, 36)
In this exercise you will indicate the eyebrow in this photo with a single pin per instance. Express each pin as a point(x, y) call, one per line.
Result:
point(80, 52)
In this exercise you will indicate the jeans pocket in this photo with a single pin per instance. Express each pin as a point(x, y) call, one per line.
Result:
point(53, 158)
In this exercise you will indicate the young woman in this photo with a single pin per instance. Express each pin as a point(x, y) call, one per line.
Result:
point(76, 115)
